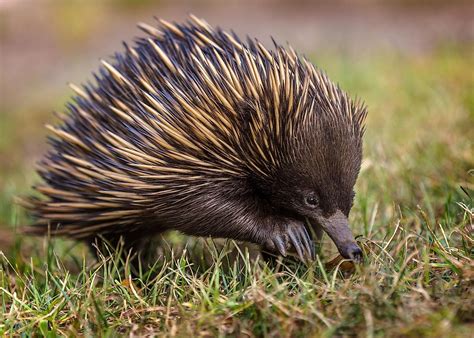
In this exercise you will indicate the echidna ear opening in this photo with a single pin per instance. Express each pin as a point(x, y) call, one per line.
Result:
point(337, 227)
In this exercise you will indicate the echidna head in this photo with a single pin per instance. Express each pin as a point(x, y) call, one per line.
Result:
point(317, 182)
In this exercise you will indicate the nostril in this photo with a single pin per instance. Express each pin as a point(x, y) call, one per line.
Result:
point(353, 252)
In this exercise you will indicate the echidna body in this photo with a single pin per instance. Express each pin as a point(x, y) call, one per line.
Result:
point(194, 130)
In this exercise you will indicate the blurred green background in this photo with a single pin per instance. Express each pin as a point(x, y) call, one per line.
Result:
point(410, 61)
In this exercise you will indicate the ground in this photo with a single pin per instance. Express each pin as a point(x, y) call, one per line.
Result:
point(413, 216)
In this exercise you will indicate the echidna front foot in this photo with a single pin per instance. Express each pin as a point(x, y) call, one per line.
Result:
point(291, 234)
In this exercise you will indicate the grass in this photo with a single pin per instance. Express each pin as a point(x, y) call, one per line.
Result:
point(413, 216)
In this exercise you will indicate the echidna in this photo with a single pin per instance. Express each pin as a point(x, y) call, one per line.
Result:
point(194, 130)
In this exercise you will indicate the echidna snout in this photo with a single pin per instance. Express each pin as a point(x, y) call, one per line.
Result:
point(192, 129)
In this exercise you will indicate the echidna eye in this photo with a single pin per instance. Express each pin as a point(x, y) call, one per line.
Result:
point(311, 200)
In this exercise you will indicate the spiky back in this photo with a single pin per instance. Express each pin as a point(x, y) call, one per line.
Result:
point(183, 108)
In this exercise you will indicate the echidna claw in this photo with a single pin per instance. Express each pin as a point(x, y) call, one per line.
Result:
point(301, 241)
point(309, 245)
point(278, 241)
point(296, 241)
point(292, 234)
